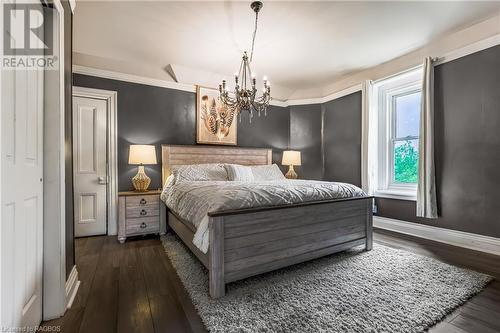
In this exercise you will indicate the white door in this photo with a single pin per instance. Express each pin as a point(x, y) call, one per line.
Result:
point(89, 166)
point(22, 197)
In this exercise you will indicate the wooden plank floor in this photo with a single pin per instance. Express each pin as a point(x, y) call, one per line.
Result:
point(134, 288)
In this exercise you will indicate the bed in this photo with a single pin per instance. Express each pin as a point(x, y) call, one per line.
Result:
point(254, 240)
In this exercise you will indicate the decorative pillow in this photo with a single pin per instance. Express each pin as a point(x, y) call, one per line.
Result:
point(199, 172)
point(241, 173)
point(267, 172)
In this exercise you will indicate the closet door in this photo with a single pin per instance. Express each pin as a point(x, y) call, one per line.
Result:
point(22, 197)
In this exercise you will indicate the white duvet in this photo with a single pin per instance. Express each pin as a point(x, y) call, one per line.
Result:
point(193, 200)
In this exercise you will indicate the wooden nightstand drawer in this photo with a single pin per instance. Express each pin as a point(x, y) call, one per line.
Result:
point(138, 214)
point(142, 225)
point(142, 200)
point(144, 211)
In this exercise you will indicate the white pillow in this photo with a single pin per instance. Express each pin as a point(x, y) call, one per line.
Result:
point(199, 172)
point(267, 172)
point(241, 173)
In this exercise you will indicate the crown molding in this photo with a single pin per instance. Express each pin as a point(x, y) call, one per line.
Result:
point(105, 74)
point(469, 49)
point(328, 98)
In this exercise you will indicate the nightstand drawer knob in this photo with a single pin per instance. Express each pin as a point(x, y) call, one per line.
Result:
point(143, 225)
point(143, 212)
point(143, 201)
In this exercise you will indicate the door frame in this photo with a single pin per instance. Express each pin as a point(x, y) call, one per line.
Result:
point(111, 148)
point(55, 297)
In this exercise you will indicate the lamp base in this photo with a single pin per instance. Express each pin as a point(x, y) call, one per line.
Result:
point(141, 181)
point(291, 174)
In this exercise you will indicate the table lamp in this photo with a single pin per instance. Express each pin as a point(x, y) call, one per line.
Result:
point(291, 158)
point(141, 155)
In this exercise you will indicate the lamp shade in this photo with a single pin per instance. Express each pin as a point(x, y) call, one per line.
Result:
point(291, 157)
point(142, 154)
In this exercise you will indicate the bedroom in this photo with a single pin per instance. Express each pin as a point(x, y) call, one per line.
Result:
point(166, 200)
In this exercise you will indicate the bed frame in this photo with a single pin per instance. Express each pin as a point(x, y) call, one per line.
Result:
point(247, 242)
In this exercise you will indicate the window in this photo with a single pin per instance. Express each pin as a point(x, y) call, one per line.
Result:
point(398, 109)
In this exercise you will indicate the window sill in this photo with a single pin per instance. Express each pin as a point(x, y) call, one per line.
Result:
point(399, 195)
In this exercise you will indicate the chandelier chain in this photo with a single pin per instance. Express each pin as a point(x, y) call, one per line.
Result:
point(254, 34)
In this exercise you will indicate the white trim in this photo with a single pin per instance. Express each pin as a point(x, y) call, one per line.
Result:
point(277, 102)
point(469, 49)
point(398, 195)
point(328, 98)
point(132, 78)
point(457, 238)
point(54, 257)
point(382, 107)
point(2, 230)
point(72, 285)
point(112, 149)
point(72, 4)
point(105, 74)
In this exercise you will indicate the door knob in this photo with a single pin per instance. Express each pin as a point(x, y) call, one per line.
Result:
point(102, 180)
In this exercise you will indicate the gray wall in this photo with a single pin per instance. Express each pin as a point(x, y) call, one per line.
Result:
point(272, 131)
point(342, 139)
point(467, 133)
point(305, 135)
point(329, 138)
point(155, 115)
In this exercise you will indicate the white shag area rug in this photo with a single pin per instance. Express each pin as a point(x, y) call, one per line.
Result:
point(383, 290)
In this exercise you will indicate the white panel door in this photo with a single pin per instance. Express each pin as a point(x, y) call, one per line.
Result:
point(89, 166)
point(22, 197)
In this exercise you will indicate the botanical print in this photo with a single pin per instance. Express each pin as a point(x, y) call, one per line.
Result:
point(215, 123)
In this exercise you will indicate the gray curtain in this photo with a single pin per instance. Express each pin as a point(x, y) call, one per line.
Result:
point(426, 190)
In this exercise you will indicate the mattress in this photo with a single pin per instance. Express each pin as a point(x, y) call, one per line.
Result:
point(193, 200)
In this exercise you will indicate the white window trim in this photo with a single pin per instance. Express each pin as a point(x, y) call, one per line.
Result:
point(384, 92)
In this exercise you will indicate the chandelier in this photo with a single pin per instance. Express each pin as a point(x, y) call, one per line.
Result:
point(244, 97)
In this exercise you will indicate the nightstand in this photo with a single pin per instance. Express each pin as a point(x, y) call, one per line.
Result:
point(138, 213)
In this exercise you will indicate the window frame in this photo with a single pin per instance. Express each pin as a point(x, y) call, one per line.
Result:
point(386, 93)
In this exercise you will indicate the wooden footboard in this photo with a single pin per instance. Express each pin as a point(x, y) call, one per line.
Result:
point(248, 242)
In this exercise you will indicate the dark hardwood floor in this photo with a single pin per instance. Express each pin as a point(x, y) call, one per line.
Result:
point(134, 288)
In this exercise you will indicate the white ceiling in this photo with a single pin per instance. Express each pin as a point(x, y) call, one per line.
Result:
point(299, 44)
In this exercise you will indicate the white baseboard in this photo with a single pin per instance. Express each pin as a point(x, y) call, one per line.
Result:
point(452, 237)
point(72, 285)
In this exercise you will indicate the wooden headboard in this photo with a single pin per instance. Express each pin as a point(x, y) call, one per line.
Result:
point(183, 155)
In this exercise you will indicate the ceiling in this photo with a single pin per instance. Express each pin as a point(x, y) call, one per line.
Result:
point(299, 44)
